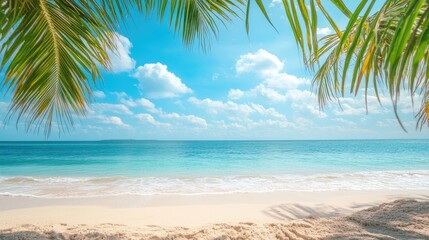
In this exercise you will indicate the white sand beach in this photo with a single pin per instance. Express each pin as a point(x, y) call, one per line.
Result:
point(280, 215)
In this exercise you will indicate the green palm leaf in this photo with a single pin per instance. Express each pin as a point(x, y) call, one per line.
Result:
point(386, 49)
point(51, 49)
point(195, 19)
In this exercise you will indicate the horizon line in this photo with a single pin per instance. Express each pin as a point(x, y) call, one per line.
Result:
point(215, 140)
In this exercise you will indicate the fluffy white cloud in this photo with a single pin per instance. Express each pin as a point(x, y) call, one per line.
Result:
point(266, 111)
point(260, 90)
point(146, 104)
point(285, 81)
point(147, 118)
point(214, 106)
point(120, 58)
point(304, 101)
point(268, 67)
point(268, 93)
point(99, 94)
point(262, 62)
point(235, 94)
point(275, 83)
point(324, 31)
point(157, 82)
point(232, 108)
point(141, 102)
point(115, 121)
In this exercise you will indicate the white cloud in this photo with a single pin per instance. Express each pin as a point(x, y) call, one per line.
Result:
point(120, 94)
point(188, 118)
point(405, 104)
point(235, 94)
point(275, 83)
point(304, 101)
point(249, 126)
point(214, 106)
point(115, 121)
point(232, 108)
point(146, 104)
point(266, 111)
point(109, 107)
point(262, 62)
point(149, 106)
point(120, 58)
point(268, 93)
point(285, 81)
point(324, 31)
point(350, 110)
point(99, 94)
point(303, 123)
point(260, 90)
point(342, 120)
point(270, 123)
point(141, 102)
point(157, 82)
point(147, 118)
point(275, 2)
point(221, 124)
point(356, 106)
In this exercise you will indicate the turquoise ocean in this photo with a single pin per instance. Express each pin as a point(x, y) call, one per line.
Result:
point(111, 168)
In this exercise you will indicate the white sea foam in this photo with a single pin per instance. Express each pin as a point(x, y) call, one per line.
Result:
point(59, 187)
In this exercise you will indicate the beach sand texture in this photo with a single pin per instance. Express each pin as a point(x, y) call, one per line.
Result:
point(400, 219)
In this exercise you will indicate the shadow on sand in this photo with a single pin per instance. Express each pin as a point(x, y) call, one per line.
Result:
point(401, 219)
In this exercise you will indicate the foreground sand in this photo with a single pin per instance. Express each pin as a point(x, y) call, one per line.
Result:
point(289, 215)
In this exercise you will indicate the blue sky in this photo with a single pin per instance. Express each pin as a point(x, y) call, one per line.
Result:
point(245, 87)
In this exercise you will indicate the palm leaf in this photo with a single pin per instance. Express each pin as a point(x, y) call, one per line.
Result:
point(47, 59)
point(386, 49)
point(51, 49)
point(196, 20)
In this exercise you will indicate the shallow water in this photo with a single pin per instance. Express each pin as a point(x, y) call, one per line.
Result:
point(73, 169)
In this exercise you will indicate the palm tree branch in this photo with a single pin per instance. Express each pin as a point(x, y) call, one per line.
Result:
point(51, 49)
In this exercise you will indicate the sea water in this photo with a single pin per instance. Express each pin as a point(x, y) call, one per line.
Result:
point(110, 168)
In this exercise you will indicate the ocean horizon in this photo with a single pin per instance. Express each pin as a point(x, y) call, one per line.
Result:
point(64, 169)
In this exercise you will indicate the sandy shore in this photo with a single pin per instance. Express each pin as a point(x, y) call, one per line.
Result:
point(281, 215)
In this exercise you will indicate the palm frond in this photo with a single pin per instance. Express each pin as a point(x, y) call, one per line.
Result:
point(47, 60)
point(385, 50)
point(388, 48)
point(196, 20)
point(51, 49)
